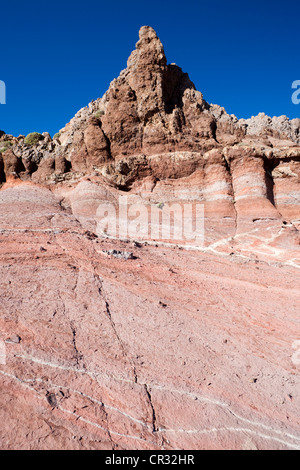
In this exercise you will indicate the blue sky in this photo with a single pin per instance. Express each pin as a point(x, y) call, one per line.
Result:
point(57, 56)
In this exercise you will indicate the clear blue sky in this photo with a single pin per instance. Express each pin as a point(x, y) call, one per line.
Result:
point(57, 56)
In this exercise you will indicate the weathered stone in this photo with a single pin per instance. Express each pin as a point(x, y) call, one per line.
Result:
point(186, 346)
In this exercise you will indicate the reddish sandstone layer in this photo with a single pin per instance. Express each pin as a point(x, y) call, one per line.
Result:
point(171, 349)
point(165, 345)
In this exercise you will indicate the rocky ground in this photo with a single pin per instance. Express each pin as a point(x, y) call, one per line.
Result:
point(150, 343)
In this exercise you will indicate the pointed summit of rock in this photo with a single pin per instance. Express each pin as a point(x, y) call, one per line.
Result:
point(149, 50)
point(147, 33)
point(147, 107)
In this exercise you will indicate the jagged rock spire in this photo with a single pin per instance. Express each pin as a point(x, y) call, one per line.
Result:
point(149, 50)
point(145, 105)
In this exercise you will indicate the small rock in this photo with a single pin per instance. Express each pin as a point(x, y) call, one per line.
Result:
point(136, 244)
point(51, 399)
point(120, 254)
point(16, 339)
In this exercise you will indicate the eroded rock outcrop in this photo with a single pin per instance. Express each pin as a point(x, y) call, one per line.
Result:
point(152, 129)
point(133, 342)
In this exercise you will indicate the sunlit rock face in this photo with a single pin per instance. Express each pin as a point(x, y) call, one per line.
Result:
point(119, 331)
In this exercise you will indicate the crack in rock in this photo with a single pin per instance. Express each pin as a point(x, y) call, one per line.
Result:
point(78, 355)
point(148, 394)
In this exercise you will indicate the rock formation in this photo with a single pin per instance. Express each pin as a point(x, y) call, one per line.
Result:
point(143, 343)
point(153, 135)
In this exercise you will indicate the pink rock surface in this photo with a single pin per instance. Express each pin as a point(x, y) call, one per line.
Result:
point(173, 349)
point(144, 341)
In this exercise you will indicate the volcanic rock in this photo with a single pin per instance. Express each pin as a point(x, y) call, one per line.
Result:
point(194, 344)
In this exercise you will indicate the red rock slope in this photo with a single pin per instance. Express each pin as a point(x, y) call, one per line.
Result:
point(168, 344)
point(168, 349)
